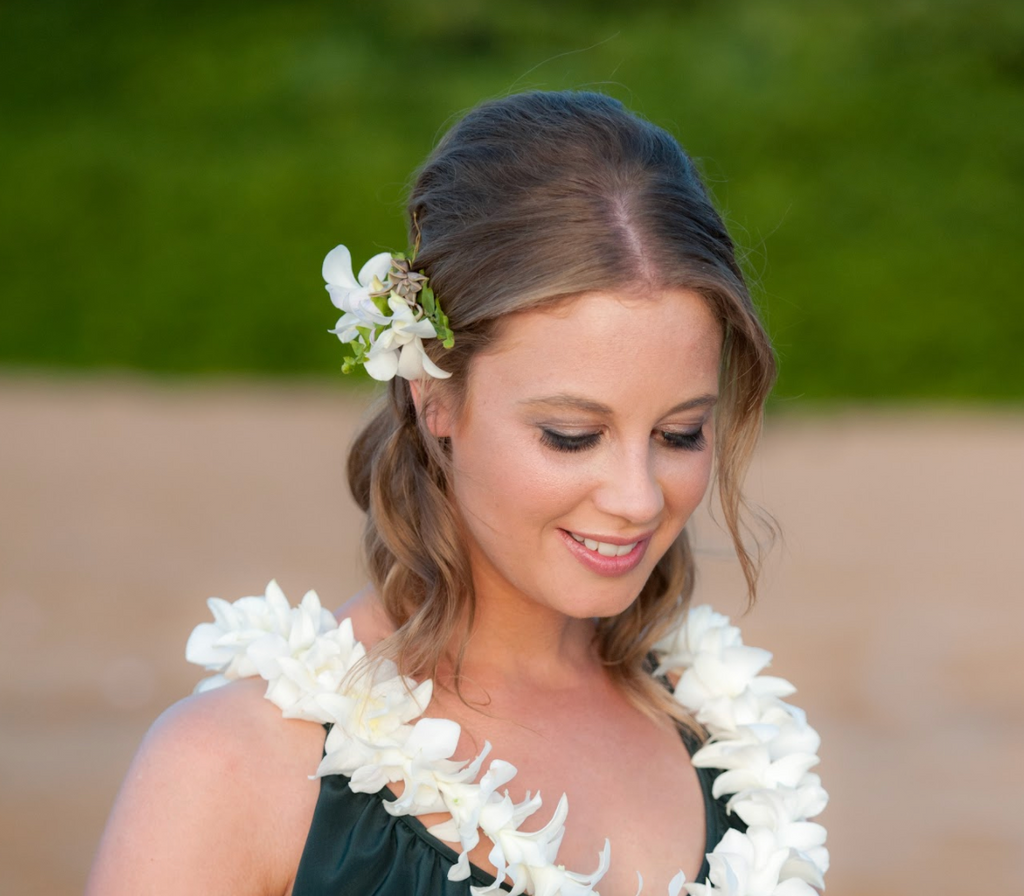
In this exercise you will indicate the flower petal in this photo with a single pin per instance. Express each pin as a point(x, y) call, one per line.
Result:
point(378, 267)
point(433, 739)
point(410, 361)
point(344, 298)
point(413, 362)
point(422, 328)
point(431, 368)
point(382, 366)
point(337, 268)
point(403, 312)
point(794, 887)
point(346, 329)
point(203, 650)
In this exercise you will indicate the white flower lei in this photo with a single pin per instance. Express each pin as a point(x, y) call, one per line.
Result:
point(763, 746)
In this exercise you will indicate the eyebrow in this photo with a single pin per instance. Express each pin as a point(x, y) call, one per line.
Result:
point(577, 403)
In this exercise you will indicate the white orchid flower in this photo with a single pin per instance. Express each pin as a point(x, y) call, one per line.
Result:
point(309, 674)
point(782, 811)
point(780, 807)
point(426, 751)
point(747, 764)
point(465, 801)
point(252, 635)
point(550, 879)
point(463, 797)
point(399, 348)
point(750, 865)
point(351, 294)
point(518, 854)
point(369, 732)
point(703, 629)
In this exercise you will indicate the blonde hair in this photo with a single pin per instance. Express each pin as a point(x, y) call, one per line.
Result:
point(530, 200)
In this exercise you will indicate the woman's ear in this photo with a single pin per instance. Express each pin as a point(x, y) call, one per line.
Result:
point(431, 408)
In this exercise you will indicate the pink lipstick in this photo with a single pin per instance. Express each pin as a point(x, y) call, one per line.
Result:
point(606, 556)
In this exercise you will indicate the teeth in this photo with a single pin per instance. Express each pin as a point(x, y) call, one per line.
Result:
point(603, 548)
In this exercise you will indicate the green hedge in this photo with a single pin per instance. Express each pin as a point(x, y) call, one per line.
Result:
point(173, 173)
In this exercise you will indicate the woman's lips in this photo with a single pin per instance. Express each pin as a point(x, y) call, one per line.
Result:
point(605, 548)
point(607, 556)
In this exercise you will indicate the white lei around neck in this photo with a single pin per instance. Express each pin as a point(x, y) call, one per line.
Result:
point(762, 745)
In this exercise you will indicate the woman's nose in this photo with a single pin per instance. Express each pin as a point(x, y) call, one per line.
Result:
point(629, 488)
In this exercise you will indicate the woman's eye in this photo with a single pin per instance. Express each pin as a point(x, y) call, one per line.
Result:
point(561, 441)
point(687, 441)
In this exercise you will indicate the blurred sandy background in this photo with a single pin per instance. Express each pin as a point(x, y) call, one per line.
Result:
point(894, 604)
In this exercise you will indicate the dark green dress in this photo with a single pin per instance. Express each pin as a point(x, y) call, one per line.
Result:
point(355, 848)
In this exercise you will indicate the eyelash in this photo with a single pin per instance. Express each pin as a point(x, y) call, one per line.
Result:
point(559, 441)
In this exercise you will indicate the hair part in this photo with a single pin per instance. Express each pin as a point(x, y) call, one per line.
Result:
point(531, 200)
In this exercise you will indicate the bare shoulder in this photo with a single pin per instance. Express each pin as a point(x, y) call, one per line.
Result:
point(370, 623)
point(217, 799)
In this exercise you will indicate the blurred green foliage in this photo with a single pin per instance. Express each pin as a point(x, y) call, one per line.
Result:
point(172, 173)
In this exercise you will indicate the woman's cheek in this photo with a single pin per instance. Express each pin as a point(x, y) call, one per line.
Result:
point(505, 480)
point(687, 486)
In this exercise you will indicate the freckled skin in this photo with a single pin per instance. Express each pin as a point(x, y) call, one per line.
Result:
point(640, 357)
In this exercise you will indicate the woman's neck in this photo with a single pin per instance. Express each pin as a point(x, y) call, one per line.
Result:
point(515, 638)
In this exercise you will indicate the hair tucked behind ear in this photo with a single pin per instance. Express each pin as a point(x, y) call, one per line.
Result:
point(531, 200)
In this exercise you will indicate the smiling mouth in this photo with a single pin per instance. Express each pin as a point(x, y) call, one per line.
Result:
point(604, 548)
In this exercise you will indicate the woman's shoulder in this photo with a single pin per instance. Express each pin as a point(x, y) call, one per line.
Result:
point(370, 624)
point(234, 730)
point(230, 747)
point(219, 773)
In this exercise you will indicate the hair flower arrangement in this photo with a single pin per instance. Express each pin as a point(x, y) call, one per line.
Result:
point(388, 310)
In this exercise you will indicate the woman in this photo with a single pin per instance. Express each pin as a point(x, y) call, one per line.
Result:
point(527, 482)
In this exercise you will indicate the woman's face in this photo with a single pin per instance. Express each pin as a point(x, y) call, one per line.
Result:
point(584, 445)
